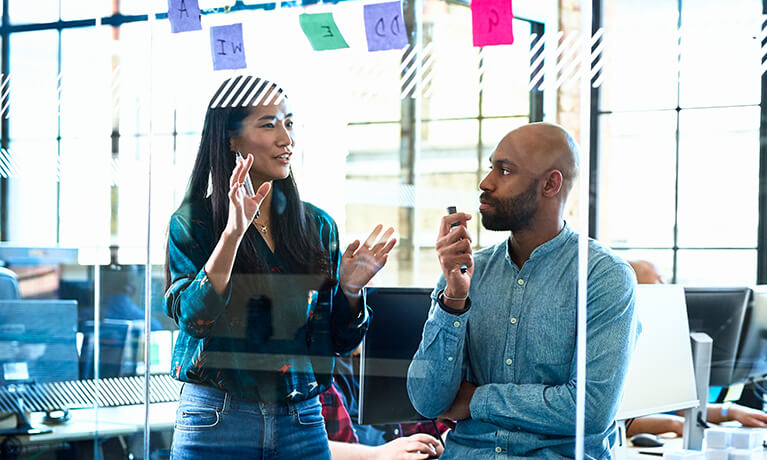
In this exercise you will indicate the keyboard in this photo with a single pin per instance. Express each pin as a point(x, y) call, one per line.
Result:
point(81, 394)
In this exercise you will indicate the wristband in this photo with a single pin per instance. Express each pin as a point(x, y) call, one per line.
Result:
point(455, 299)
point(725, 409)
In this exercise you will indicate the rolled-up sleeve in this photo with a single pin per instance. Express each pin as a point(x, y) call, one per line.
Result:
point(347, 329)
point(190, 299)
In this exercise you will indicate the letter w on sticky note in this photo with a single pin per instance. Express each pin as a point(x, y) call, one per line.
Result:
point(322, 32)
point(227, 48)
point(492, 22)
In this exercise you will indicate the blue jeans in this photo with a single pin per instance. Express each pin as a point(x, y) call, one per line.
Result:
point(210, 424)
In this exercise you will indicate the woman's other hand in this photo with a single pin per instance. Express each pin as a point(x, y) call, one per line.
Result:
point(243, 208)
point(360, 262)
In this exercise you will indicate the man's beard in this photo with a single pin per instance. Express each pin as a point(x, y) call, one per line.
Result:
point(512, 214)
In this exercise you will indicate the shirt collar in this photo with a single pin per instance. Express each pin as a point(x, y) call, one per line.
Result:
point(552, 245)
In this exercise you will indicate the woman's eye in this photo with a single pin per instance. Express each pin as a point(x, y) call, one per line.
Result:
point(289, 123)
point(267, 125)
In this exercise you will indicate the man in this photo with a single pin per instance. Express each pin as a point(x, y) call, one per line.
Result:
point(498, 350)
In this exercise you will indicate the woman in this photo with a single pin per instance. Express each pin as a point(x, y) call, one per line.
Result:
point(258, 287)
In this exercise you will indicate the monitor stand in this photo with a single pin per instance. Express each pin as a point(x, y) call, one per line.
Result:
point(695, 418)
point(23, 427)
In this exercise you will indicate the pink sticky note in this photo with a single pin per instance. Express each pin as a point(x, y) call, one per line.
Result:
point(491, 22)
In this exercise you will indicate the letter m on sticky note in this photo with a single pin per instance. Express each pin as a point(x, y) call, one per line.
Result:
point(322, 32)
point(492, 22)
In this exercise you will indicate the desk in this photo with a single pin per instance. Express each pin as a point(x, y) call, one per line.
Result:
point(104, 422)
point(670, 445)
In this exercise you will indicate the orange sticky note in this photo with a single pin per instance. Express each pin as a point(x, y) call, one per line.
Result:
point(491, 22)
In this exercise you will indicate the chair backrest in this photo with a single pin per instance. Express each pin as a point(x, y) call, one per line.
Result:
point(9, 285)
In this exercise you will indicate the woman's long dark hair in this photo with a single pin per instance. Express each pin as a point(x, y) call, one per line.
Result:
point(296, 237)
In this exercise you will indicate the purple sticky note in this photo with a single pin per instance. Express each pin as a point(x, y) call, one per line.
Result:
point(385, 26)
point(491, 22)
point(227, 48)
point(184, 15)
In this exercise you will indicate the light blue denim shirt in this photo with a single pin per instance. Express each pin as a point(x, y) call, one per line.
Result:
point(517, 344)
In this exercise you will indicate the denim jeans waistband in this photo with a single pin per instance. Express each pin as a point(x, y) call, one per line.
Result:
point(223, 401)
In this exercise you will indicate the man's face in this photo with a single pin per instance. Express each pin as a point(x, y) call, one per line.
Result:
point(509, 199)
point(509, 213)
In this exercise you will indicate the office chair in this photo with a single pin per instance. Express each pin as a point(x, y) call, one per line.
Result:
point(9, 285)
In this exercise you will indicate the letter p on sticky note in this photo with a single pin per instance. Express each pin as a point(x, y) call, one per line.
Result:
point(492, 22)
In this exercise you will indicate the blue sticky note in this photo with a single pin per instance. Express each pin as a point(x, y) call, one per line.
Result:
point(227, 47)
point(184, 15)
point(385, 26)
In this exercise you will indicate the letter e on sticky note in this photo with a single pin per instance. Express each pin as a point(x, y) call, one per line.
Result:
point(227, 47)
point(385, 26)
point(322, 31)
point(492, 22)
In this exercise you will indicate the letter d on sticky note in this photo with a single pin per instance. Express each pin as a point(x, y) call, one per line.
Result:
point(491, 22)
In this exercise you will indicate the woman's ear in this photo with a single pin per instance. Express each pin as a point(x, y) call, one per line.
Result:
point(232, 147)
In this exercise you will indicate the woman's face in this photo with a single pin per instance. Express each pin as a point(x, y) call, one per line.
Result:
point(267, 133)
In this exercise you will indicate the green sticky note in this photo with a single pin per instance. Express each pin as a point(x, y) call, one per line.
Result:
point(322, 31)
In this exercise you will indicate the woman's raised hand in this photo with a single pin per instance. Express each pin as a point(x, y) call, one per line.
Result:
point(243, 208)
point(360, 263)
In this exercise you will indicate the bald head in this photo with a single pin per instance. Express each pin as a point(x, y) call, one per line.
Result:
point(542, 147)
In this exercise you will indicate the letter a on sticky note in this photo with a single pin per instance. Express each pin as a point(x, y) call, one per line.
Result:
point(491, 22)
point(184, 15)
point(227, 48)
point(322, 32)
point(385, 26)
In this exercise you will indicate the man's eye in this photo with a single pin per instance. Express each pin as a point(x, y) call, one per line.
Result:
point(505, 172)
point(289, 123)
point(268, 125)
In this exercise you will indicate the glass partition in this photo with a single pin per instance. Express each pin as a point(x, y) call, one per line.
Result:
point(135, 264)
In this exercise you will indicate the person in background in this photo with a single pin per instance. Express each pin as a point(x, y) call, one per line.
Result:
point(648, 273)
point(339, 406)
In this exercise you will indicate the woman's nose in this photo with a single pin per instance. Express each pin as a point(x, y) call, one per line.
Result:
point(286, 135)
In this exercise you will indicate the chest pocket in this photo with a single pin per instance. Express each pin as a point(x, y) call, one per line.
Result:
point(551, 336)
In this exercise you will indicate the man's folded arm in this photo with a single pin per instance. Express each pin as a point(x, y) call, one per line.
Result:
point(611, 334)
point(435, 373)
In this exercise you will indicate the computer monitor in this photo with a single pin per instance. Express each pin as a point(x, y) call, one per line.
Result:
point(660, 376)
point(751, 362)
point(38, 341)
point(399, 315)
point(719, 312)
point(116, 358)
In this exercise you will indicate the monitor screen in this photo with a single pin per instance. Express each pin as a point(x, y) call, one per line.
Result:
point(752, 352)
point(38, 341)
point(399, 315)
point(719, 312)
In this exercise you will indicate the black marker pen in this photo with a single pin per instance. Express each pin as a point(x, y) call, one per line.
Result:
point(453, 210)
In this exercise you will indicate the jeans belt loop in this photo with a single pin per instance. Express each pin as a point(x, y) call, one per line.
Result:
point(227, 402)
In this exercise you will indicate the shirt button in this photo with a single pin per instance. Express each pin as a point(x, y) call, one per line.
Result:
point(498, 450)
point(513, 320)
point(520, 282)
point(508, 361)
point(457, 324)
point(449, 358)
